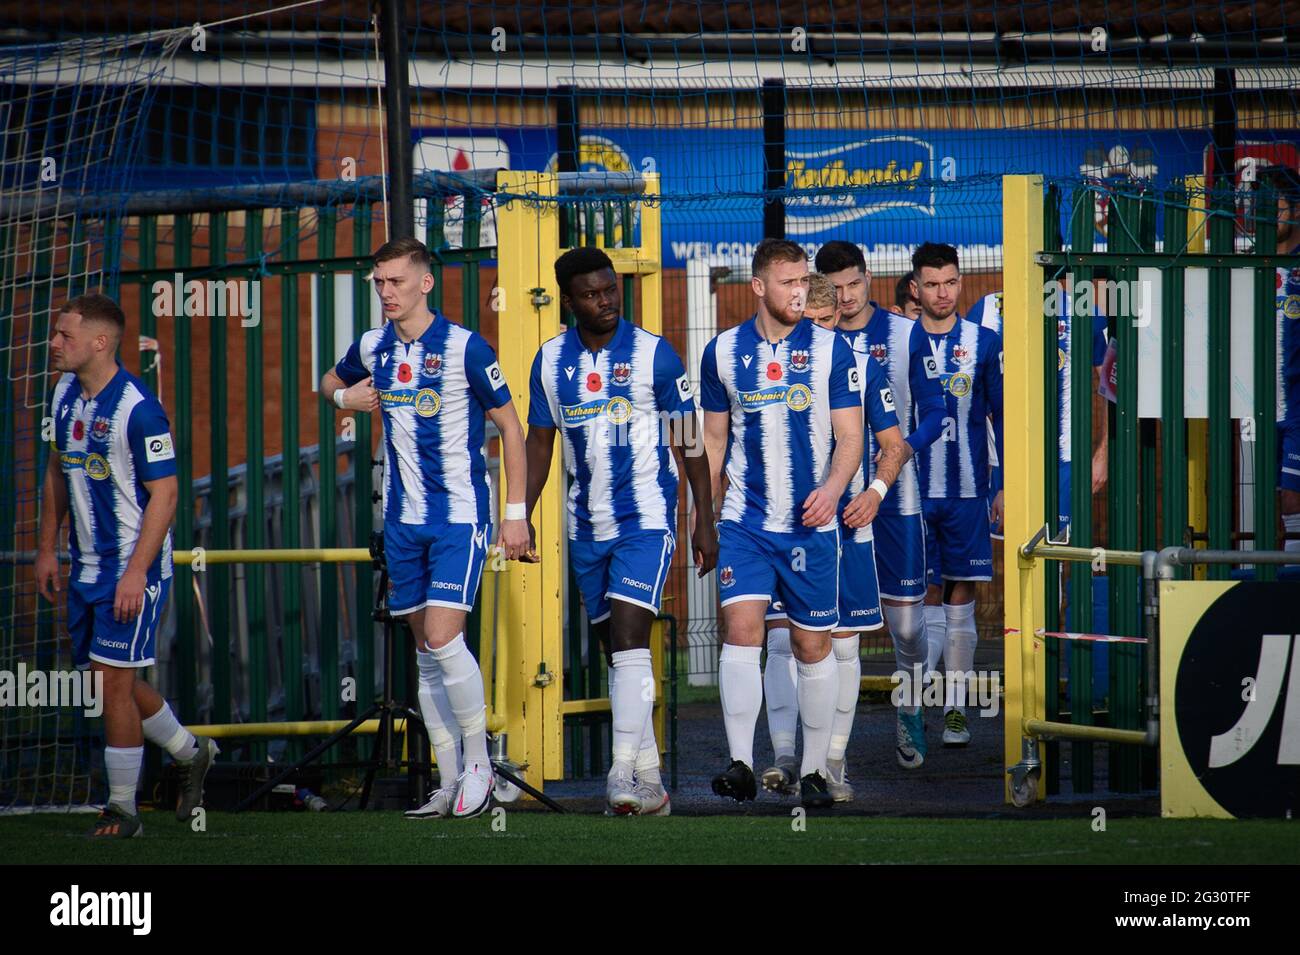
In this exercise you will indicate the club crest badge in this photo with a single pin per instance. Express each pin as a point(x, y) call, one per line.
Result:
point(99, 429)
point(799, 360)
point(433, 366)
point(879, 351)
point(622, 372)
point(726, 576)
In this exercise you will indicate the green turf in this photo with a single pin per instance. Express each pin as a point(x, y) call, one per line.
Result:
point(529, 836)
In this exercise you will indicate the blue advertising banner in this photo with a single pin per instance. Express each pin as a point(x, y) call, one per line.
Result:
point(907, 187)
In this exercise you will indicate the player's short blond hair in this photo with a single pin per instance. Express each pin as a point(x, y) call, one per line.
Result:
point(821, 291)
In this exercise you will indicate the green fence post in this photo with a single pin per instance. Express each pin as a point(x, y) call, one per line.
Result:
point(219, 495)
point(46, 233)
point(469, 306)
point(362, 485)
point(1079, 611)
point(183, 425)
point(437, 239)
point(148, 320)
point(291, 472)
point(1051, 442)
point(327, 493)
point(1173, 424)
point(1222, 436)
point(255, 522)
point(1264, 414)
point(9, 463)
point(1123, 499)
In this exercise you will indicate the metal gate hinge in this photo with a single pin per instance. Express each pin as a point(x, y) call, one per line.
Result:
point(544, 676)
point(540, 299)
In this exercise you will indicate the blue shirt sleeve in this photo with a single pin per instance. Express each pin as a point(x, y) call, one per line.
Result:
point(993, 388)
point(484, 374)
point(846, 380)
point(881, 410)
point(713, 396)
point(539, 405)
point(350, 369)
point(153, 452)
point(928, 406)
point(672, 387)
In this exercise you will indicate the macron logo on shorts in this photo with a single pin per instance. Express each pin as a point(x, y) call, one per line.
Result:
point(636, 583)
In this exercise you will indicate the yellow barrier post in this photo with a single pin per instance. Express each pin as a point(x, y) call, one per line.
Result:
point(1198, 429)
point(527, 612)
point(1024, 664)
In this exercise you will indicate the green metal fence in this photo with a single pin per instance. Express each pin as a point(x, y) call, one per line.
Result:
point(1149, 504)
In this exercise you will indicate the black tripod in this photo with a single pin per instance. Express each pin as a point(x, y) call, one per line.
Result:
point(384, 753)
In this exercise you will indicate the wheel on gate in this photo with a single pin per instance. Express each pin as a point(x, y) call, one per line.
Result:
point(1025, 791)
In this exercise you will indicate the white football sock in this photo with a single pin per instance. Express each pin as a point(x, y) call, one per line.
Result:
point(959, 653)
point(936, 635)
point(163, 729)
point(647, 757)
point(464, 684)
point(1292, 524)
point(123, 765)
point(631, 699)
point(740, 685)
point(779, 680)
point(817, 691)
point(848, 679)
point(907, 628)
point(439, 719)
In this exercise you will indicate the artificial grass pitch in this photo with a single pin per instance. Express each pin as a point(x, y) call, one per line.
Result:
point(527, 836)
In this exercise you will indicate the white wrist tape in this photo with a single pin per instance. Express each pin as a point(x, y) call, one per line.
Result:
point(880, 487)
point(338, 397)
point(516, 512)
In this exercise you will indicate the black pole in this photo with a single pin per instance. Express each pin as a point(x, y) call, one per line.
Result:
point(1225, 130)
point(774, 157)
point(397, 107)
point(568, 140)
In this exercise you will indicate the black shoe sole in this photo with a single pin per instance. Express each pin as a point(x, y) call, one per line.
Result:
point(722, 787)
point(818, 803)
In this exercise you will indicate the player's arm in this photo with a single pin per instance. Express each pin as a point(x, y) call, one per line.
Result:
point(54, 507)
point(513, 537)
point(845, 398)
point(882, 418)
point(347, 384)
point(928, 404)
point(699, 477)
point(820, 506)
point(539, 447)
point(164, 492)
point(538, 450)
point(993, 389)
point(680, 428)
point(717, 421)
point(1100, 343)
point(717, 427)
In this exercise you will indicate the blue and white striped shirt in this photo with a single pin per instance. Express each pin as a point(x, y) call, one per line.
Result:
point(433, 393)
point(969, 360)
point(780, 397)
point(615, 410)
point(108, 447)
point(898, 344)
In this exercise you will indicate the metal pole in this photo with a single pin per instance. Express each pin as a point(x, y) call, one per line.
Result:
point(397, 110)
point(568, 132)
point(774, 158)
